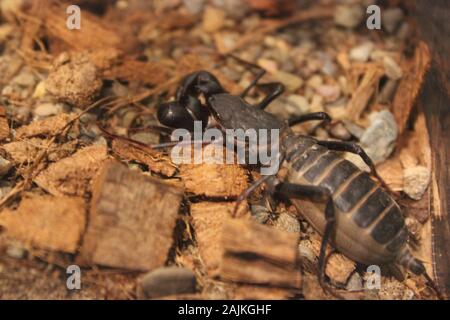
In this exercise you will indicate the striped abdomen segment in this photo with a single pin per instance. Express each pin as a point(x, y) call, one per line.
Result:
point(354, 194)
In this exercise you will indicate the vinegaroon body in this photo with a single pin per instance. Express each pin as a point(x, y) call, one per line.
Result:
point(344, 204)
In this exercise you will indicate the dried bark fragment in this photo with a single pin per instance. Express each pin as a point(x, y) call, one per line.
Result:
point(25, 151)
point(208, 219)
point(50, 125)
point(214, 180)
point(392, 173)
point(54, 223)
point(132, 218)
point(73, 175)
point(4, 127)
point(94, 34)
point(155, 161)
point(257, 254)
point(364, 92)
point(74, 80)
point(410, 85)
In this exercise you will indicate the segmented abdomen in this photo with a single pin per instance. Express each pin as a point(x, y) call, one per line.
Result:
point(354, 193)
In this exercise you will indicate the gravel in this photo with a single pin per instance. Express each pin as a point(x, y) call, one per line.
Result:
point(379, 138)
point(168, 281)
point(415, 181)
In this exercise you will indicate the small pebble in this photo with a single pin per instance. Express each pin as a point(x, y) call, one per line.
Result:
point(291, 81)
point(416, 181)
point(25, 79)
point(391, 18)
point(392, 69)
point(348, 16)
point(379, 138)
point(314, 81)
point(48, 109)
point(305, 250)
point(260, 213)
point(194, 6)
point(16, 252)
point(414, 227)
point(339, 131)
point(355, 283)
point(300, 102)
point(354, 129)
point(330, 93)
point(361, 53)
point(168, 281)
point(40, 90)
point(213, 19)
point(267, 64)
point(287, 222)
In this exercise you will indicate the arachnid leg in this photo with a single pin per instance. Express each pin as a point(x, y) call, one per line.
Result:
point(247, 192)
point(298, 191)
point(276, 89)
point(356, 149)
point(309, 117)
point(254, 82)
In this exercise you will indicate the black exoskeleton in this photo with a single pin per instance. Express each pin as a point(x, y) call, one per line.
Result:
point(345, 205)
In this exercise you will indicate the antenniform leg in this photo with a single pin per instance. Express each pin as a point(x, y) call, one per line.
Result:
point(276, 89)
point(309, 117)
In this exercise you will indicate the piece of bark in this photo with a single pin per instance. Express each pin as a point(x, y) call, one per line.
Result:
point(155, 161)
point(73, 175)
point(364, 92)
point(4, 127)
point(132, 220)
point(93, 34)
point(214, 180)
point(50, 125)
point(47, 222)
point(257, 254)
point(434, 101)
point(25, 151)
point(112, 64)
point(208, 219)
point(74, 79)
point(410, 85)
point(391, 172)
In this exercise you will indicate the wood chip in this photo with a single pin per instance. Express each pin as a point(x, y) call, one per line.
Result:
point(94, 34)
point(24, 151)
point(214, 180)
point(155, 161)
point(132, 219)
point(47, 126)
point(47, 222)
point(208, 219)
point(392, 173)
point(410, 85)
point(73, 175)
point(364, 92)
point(257, 254)
point(4, 127)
